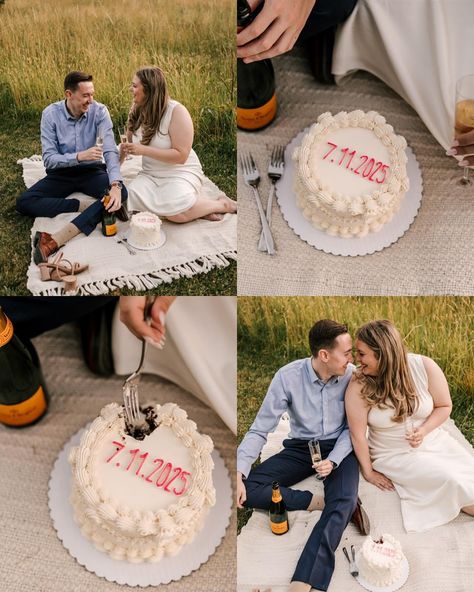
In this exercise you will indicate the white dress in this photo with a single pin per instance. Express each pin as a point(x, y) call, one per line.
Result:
point(435, 480)
point(162, 188)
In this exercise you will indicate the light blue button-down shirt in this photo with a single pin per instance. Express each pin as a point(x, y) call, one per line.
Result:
point(63, 136)
point(316, 410)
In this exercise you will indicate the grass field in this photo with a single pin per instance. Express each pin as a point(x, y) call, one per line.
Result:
point(193, 42)
point(273, 332)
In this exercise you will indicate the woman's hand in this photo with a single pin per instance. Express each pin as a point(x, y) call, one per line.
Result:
point(274, 30)
point(136, 149)
point(415, 439)
point(132, 311)
point(463, 145)
point(323, 468)
point(379, 480)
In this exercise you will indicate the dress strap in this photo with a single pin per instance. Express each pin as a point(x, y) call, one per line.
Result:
point(166, 119)
point(418, 370)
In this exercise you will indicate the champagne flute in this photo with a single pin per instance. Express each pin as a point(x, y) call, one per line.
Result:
point(410, 429)
point(124, 140)
point(464, 114)
point(316, 457)
point(99, 140)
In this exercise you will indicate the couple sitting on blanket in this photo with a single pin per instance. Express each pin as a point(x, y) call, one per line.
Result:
point(402, 399)
point(171, 175)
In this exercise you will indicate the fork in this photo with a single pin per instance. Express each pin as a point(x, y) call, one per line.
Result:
point(121, 240)
point(134, 416)
point(252, 179)
point(275, 171)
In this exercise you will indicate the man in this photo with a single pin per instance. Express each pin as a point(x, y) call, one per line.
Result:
point(73, 162)
point(312, 392)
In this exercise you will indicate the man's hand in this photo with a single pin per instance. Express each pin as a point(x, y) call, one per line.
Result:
point(323, 468)
point(379, 480)
point(115, 199)
point(241, 491)
point(275, 29)
point(94, 153)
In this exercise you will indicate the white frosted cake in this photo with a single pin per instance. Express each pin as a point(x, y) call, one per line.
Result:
point(350, 173)
point(145, 230)
point(140, 499)
point(380, 562)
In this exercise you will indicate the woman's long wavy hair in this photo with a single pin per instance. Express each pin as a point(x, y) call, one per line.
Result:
point(149, 115)
point(393, 387)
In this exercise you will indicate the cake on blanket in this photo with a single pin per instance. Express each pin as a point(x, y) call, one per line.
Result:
point(380, 562)
point(140, 499)
point(350, 173)
point(145, 230)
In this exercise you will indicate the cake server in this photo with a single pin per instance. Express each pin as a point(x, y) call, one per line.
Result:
point(130, 387)
point(352, 566)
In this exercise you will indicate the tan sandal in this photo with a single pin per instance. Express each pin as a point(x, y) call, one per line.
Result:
point(60, 268)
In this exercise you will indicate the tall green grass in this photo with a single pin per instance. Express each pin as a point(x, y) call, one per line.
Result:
point(192, 41)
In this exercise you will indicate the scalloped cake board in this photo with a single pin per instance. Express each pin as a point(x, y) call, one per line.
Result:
point(393, 587)
point(190, 558)
point(348, 247)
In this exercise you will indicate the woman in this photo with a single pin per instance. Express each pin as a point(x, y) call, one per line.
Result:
point(403, 399)
point(170, 183)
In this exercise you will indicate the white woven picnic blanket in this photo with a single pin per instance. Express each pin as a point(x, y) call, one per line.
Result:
point(440, 560)
point(192, 248)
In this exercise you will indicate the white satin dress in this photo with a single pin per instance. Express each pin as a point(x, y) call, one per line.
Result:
point(435, 480)
point(162, 188)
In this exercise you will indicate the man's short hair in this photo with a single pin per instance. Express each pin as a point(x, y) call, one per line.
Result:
point(323, 335)
point(73, 79)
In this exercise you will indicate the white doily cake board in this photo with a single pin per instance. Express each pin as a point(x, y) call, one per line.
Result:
point(393, 587)
point(336, 245)
point(157, 245)
point(190, 558)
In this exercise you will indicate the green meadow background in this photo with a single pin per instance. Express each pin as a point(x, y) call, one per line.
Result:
point(274, 331)
point(41, 40)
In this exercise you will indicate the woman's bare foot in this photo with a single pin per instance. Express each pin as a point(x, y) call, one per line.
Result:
point(213, 217)
point(231, 205)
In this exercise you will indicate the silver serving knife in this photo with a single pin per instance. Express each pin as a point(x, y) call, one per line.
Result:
point(352, 566)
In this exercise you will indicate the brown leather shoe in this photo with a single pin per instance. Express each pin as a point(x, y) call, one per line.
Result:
point(361, 519)
point(122, 213)
point(44, 247)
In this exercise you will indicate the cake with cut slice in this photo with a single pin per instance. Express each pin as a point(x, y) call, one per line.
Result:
point(140, 497)
point(380, 562)
point(351, 173)
point(145, 231)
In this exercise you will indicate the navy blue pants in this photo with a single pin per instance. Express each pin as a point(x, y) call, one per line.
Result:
point(325, 15)
point(47, 196)
point(291, 465)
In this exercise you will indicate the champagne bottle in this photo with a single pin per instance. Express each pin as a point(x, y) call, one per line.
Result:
point(23, 396)
point(278, 514)
point(109, 221)
point(256, 100)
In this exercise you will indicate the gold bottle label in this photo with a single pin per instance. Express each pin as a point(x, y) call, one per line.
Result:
point(110, 229)
point(25, 412)
point(280, 527)
point(252, 119)
point(6, 333)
